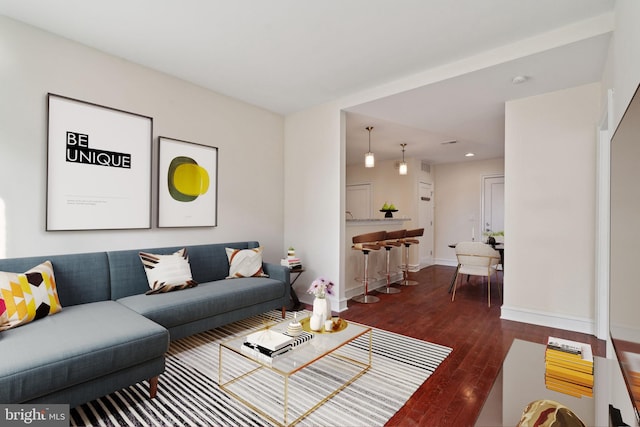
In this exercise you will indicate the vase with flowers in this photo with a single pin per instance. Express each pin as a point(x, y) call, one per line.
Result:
point(320, 288)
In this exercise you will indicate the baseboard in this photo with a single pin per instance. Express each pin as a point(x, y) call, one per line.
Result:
point(359, 290)
point(551, 320)
point(414, 268)
point(447, 262)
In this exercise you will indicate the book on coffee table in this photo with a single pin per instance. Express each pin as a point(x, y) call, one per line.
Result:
point(269, 339)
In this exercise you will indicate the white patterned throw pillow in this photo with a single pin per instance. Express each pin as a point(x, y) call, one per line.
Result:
point(167, 273)
point(245, 263)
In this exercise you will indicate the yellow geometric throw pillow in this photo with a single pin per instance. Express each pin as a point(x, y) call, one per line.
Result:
point(29, 296)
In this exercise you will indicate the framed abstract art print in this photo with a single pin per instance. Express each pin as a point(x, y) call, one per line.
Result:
point(187, 184)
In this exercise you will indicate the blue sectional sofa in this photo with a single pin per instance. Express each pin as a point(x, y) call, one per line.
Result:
point(109, 334)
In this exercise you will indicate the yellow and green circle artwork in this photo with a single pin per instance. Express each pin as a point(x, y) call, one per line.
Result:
point(186, 179)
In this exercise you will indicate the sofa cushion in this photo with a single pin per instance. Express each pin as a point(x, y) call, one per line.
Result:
point(30, 295)
point(80, 278)
point(245, 263)
point(208, 263)
point(209, 298)
point(80, 343)
point(166, 273)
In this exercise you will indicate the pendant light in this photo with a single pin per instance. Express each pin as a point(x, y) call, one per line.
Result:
point(369, 159)
point(403, 165)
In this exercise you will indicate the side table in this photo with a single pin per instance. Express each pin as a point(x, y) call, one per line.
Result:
point(296, 304)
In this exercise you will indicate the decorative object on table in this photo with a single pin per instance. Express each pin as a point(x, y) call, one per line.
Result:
point(388, 209)
point(548, 413)
point(320, 287)
point(301, 338)
point(294, 328)
point(339, 324)
point(491, 237)
point(291, 262)
point(315, 322)
point(98, 167)
point(269, 339)
point(569, 367)
point(188, 184)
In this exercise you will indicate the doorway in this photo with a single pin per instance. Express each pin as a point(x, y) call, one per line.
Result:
point(358, 201)
point(425, 214)
point(492, 206)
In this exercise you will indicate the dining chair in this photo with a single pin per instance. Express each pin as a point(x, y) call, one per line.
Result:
point(477, 259)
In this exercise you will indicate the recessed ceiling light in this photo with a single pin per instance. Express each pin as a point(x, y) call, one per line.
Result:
point(519, 79)
point(469, 155)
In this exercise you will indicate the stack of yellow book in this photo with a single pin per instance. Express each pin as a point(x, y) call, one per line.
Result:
point(569, 367)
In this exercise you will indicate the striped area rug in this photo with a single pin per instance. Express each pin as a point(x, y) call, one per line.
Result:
point(188, 394)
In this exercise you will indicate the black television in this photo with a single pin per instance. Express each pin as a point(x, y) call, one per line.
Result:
point(624, 292)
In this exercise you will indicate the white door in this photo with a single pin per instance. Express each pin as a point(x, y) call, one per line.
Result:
point(358, 201)
point(493, 205)
point(425, 212)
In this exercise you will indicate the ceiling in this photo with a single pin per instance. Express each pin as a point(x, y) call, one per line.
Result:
point(289, 55)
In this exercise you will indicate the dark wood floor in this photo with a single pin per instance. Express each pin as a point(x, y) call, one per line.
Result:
point(455, 393)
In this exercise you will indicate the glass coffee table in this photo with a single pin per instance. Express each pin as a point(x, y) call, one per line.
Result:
point(290, 386)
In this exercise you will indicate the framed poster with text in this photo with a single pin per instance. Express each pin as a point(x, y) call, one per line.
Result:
point(98, 167)
point(187, 184)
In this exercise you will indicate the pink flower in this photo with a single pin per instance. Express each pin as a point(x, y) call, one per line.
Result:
point(320, 287)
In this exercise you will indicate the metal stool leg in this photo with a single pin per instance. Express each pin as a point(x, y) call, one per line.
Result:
point(366, 298)
point(405, 280)
point(388, 289)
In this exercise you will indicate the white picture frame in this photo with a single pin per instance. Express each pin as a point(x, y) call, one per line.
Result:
point(98, 167)
point(187, 184)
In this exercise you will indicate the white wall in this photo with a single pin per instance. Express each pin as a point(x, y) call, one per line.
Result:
point(250, 142)
point(624, 57)
point(550, 158)
point(314, 200)
point(458, 202)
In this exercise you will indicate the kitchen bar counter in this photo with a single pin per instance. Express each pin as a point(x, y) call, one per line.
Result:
point(366, 221)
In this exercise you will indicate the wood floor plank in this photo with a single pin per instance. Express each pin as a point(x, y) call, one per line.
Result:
point(455, 393)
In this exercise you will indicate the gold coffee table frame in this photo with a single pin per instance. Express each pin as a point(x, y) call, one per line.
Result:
point(236, 367)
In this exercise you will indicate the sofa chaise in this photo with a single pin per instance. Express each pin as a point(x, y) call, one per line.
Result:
point(110, 333)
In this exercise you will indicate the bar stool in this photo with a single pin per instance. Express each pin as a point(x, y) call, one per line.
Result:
point(409, 239)
point(366, 243)
point(391, 240)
